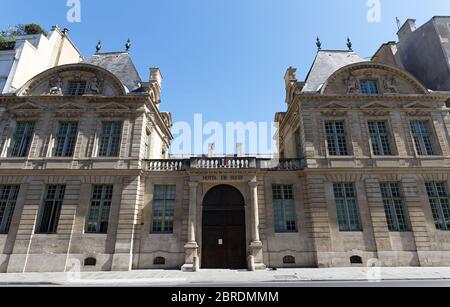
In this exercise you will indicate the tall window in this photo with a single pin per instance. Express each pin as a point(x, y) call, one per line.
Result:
point(423, 138)
point(8, 198)
point(109, 141)
point(440, 205)
point(98, 217)
point(51, 210)
point(336, 139)
point(347, 207)
point(163, 209)
point(394, 207)
point(368, 87)
point(66, 139)
point(379, 137)
point(284, 208)
point(22, 139)
point(76, 88)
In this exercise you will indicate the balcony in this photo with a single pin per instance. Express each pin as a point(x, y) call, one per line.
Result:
point(225, 163)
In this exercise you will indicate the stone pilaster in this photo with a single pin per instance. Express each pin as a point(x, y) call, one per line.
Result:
point(317, 220)
point(417, 218)
point(192, 262)
point(256, 260)
point(128, 217)
point(379, 222)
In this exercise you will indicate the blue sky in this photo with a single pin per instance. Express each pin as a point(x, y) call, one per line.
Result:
point(223, 58)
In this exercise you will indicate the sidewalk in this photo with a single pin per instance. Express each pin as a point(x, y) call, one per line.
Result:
point(173, 278)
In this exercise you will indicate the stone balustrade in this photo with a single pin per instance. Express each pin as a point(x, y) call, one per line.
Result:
point(218, 163)
point(167, 165)
point(223, 163)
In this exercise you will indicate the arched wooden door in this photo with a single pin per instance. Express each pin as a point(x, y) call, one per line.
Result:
point(224, 235)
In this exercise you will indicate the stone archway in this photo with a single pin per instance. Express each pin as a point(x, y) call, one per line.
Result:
point(224, 231)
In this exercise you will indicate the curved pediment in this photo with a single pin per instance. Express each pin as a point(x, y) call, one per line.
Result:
point(74, 80)
point(388, 80)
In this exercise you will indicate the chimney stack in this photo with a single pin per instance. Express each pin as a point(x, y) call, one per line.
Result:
point(155, 76)
point(407, 29)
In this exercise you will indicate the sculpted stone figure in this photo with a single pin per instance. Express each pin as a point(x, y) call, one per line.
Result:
point(95, 86)
point(352, 84)
point(390, 85)
point(55, 86)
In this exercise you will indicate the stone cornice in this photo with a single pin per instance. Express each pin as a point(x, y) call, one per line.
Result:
point(372, 171)
point(75, 99)
point(366, 98)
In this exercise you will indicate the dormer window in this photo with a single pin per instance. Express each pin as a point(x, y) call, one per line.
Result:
point(368, 87)
point(76, 88)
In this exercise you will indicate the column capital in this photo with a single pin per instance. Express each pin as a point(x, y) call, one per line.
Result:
point(253, 183)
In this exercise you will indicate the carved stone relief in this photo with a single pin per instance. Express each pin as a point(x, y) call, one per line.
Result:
point(352, 84)
point(55, 85)
point(390, 85)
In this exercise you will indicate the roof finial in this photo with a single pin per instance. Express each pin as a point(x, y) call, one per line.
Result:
point(128, 45)
point(318, 44)
point(98, 47)
point(349, 44)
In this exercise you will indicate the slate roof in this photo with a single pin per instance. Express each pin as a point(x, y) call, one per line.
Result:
point(121, 65)
point(325, 64)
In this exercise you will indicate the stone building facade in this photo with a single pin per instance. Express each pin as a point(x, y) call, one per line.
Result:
point(86, 181)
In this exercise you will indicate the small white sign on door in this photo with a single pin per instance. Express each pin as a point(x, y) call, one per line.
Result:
point(220, 241)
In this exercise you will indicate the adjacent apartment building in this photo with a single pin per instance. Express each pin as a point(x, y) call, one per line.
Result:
point(86, 180)
point(30, 55)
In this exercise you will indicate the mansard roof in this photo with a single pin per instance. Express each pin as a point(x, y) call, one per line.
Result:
point(119, 64)
point(325, 64)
